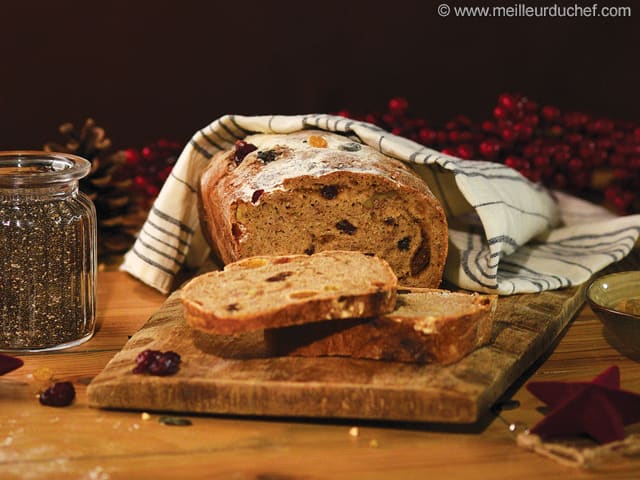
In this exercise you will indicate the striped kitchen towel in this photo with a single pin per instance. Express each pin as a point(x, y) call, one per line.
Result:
point(507, 235)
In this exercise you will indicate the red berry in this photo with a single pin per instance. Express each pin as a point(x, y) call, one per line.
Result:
point(555, 131)
point(510, 101)
point(562, 156)
point(488, 126)
point(575, 164)
point(371, 118)
point(509, 135)
point(541, 161)
point(604, 143)
point(532, 175)
point(490, 148)
point(600, 126)
point(242, 149)
point(465, 137)
point(620, 203)
point(600, 158)
point(164, 173)
point(500, 113)
point(530, 150)
point(139, 181)
point(152, 190)
point(574, 138)
point(465, 151)
point(512, 162)
point(60, 394)
point(451, 125)
point(132, 157)
point(580, 179)
point(398, 105)
point(523, 131)
point(550, 113)
point(463, 121)
point(442, 137)
point(454, 136)
point(575, 120)
point(388, 118)
point(427, 136)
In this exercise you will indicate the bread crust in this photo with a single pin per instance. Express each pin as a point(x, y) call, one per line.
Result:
point(399, 336)
point(289, 197)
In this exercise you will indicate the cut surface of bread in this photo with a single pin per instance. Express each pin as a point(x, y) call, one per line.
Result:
point(312, 191)
point(272, 291)
point(427, 326)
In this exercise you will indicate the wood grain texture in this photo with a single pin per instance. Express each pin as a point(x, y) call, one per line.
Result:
point(234, 375)
point(78, 442)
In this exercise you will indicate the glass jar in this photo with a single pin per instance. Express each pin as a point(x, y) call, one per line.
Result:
point(47, 252)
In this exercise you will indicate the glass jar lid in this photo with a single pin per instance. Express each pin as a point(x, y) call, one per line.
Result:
point(33, 168)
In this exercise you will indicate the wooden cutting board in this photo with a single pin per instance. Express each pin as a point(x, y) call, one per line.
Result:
point(232, 375)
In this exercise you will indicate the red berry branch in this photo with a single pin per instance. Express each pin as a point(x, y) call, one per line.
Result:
point(149, 167)
point(592, 157)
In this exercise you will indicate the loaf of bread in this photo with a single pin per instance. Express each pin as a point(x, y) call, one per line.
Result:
point(273, 291)
point(427, 326)
point(312, 191)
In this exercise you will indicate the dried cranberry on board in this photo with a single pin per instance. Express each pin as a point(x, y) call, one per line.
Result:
point(60, 394)
point(8, 363)
point(155, 362)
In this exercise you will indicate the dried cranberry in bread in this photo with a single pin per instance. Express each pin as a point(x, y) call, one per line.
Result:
point(312, 191)
point(427, 326)
point(272, 291)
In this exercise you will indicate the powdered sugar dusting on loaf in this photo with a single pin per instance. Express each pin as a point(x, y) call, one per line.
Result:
point(311, 161)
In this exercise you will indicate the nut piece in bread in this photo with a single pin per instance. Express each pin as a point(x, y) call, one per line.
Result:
point(274, 291)
point(427, 326)
point(312, 191)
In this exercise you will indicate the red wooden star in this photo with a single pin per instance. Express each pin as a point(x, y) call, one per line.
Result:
point(8, 363)
point(598, 408)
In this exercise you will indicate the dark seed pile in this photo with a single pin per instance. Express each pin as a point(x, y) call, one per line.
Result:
point(46, 272)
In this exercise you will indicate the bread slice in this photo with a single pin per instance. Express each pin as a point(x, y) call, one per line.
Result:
point(274, 291)
point(427, 326)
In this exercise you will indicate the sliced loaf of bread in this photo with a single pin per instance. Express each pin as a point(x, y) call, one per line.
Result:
point(427, 326)
point(274, 291)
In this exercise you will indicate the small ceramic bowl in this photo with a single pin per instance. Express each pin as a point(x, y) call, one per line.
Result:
point(615, 298)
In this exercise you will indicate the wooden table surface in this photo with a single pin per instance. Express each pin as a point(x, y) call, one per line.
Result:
point(82, 442)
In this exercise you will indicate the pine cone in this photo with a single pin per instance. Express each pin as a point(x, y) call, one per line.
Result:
point(119, 215)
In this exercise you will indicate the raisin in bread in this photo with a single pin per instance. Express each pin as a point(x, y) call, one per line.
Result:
point(272, 291)
point(427, 326)
point(312, 191)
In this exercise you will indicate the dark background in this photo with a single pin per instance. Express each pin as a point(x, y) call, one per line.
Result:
point(150, 69)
